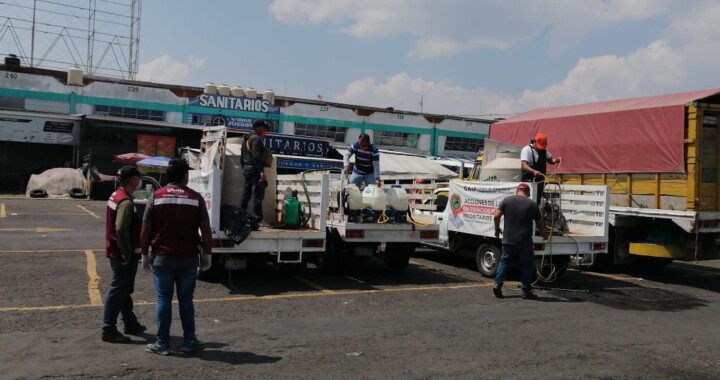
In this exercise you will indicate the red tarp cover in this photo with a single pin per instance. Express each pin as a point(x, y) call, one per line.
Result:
point(639, 135)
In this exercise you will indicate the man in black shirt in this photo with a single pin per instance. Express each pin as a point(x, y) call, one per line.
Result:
point(520, 211)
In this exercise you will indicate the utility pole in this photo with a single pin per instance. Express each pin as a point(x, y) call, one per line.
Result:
point(32, 38)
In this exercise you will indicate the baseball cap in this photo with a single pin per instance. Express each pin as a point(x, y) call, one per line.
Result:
point(260, 123)
point(523, 186)
point(541, 141)
point(128, 171)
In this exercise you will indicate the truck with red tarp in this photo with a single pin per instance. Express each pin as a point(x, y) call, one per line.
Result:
point(659, 157)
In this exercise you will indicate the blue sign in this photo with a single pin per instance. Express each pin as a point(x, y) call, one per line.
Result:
point(234, 103)
point(296, 146)
point(232, 122)
point(304, 164)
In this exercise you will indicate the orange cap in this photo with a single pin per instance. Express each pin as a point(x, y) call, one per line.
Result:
point(541, 141)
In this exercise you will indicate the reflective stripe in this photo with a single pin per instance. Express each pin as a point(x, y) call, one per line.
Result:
point(176, 201)
point(112, 205)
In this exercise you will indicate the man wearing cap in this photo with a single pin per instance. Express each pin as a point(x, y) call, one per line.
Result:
point(122, 247)
point(534, 159)
point(367, 162)
point(519, 211)
point(172, 218)
point(253, 151)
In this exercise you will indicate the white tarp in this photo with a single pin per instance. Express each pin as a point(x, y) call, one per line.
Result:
point(471, 205)
point(57, 182)
point(209, 184)
point(407, 165)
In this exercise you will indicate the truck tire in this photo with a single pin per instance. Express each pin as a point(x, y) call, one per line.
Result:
point(487, 259)
point(328, 261)
point(77, 193)
point(38, 193)
point(397, 256)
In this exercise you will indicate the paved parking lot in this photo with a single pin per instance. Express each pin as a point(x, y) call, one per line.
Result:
point(438, 320)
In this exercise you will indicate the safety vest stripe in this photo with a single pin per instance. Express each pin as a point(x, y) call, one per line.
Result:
point(176, 201)
point(112, 205)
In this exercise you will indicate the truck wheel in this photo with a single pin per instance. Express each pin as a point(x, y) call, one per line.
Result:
point(397, 256)
point(487, 259)
point(328, 261)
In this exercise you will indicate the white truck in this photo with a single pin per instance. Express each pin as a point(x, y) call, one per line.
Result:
point(393, 239)
point(577, 214)
point(220, 181)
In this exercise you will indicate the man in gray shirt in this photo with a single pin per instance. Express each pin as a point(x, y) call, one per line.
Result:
point(519, 211)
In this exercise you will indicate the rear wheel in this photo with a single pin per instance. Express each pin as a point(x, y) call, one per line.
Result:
point(328, 261)
point(487, 259)
point(397, 256)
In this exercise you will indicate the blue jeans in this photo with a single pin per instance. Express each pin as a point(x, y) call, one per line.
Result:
point(118, 299)
point(166, 279)
point(523, 253)
point(358, 179)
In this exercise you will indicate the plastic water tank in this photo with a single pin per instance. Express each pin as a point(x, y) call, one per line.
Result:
point(12, 60)
point(374, 198)
point(223, 90)
point(237, 91)
point(397, 198)
point(210, 88)
point(75, 76)
point(250, 93)
point(354, 197)
point(506, 167)
point(269, 95)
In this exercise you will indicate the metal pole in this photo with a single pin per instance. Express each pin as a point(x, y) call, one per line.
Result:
point(32, 38)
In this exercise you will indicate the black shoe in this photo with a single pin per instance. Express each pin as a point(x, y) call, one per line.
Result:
point(529, 296)
point(497, 291)
point(135, 329)
point(115, 337)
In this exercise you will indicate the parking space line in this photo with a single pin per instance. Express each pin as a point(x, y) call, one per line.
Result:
point(313, 285)
point(266, 298)
point(3, 214)
point(613, 277)
point(94, 279)
point(94, 215)
point(49, 250)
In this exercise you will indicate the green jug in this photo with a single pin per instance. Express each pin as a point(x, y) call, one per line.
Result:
point(292, 212)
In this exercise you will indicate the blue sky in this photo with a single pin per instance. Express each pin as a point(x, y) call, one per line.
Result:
point(463, 57)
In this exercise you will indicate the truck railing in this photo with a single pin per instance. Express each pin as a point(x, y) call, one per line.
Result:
point(584, 208)
point(310, 186)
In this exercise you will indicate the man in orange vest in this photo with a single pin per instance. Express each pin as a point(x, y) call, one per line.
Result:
point(172, 218)
point(122, 247)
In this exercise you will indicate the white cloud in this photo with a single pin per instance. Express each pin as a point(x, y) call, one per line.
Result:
point(165, 70)
point(683, 58)
point(442, 28)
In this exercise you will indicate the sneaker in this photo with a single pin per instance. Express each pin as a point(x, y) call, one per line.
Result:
point(265, 224)
point(157, 348)
point(115, 337)
point(497, 291)
point(529, 295)
point(193, 346)
point(134, 329)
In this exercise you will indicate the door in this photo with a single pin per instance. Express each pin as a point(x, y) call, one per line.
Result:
point(708, 192)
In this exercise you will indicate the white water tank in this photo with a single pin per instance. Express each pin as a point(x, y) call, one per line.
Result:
point(75, 76)
point(397, 198)
point(374, 197)
point(269, 95)
point(210, 88)
point(506, 167)
point(354, 197)
point(250, 93)
point(223, 90)
point(237, 91)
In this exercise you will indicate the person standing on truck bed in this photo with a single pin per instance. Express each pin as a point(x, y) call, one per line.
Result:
point(367, 162)
point(520, 211)
point(254, 156)
point(122, 247)
point(173, 215)
point(534, 159)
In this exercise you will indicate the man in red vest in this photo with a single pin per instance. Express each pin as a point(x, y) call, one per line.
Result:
point(122, 247)
point(172, 218)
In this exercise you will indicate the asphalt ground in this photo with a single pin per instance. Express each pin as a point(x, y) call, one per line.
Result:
point(438, 320)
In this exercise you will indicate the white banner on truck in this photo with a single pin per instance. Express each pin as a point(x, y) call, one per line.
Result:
point(208, 184)
point(471, 205)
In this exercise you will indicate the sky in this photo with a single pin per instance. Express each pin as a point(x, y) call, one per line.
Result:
point(480, 58)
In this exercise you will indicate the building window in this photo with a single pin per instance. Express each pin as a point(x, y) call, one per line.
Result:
point(388, 138)
point(336, 134)
point(130, 113)
point(464, 144)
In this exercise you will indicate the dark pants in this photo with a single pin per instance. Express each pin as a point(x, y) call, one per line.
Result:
point(523, 253)
point(255, 188)
point(118, 299)
point(540, 189)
